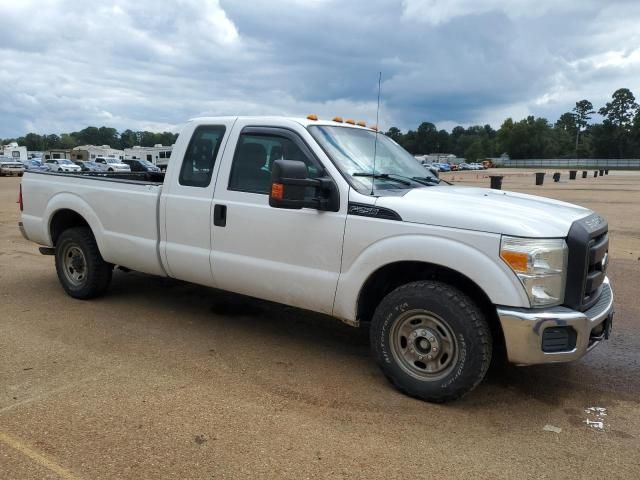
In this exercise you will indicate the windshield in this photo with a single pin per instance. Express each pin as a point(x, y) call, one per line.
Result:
point(113, 160)
point(64, 161)
point(146, 163)
point(352, 150)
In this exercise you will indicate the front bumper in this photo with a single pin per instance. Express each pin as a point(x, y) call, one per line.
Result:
point(524, 328)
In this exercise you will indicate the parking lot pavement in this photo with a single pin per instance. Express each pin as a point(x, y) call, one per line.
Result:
point(163, 379)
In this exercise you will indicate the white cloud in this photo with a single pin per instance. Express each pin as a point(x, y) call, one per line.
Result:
point(67, 64)
point(441, 11)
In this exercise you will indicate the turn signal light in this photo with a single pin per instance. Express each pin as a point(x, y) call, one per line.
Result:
point(313, 116)
point(277, 191)
point(337, 119)
point(517, 260)
point(350, 121)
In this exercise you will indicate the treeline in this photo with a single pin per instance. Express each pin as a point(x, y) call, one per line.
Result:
point(94, 136)
point(572, 135)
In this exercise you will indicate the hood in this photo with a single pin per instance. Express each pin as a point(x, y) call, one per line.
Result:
point(486, 210)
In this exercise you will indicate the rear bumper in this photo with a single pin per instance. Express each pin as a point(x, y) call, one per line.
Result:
point(524, 330)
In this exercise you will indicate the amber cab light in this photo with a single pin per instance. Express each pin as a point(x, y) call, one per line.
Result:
point(313, 116)
point(361, 123)
point(350, 121)
point(337, 119)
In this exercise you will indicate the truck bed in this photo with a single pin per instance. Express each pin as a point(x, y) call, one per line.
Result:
point(122, 210)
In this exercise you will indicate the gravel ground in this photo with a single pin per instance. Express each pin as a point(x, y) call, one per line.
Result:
point(163, 379)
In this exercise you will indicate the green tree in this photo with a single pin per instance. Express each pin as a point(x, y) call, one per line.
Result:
point(427, 138)
point(620, 112)
point(394, 134)
point(474, 152)
point(582, 112)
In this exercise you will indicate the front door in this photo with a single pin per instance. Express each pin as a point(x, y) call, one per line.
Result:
point(286, 256)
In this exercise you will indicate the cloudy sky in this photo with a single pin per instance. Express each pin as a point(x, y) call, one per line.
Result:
point(143, 64)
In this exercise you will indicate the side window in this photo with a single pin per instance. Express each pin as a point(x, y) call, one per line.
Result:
point(251, 169)
point(200, 158)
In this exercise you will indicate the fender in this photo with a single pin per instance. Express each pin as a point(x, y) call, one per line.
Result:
point(470, 259)
point(71, 201)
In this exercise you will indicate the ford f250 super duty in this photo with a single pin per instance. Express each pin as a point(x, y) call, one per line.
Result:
point(338, 219)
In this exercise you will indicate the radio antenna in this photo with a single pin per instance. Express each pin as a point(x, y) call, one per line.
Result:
point(375, 143)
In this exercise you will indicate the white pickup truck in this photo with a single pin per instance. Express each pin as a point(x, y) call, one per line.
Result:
point(338, 219)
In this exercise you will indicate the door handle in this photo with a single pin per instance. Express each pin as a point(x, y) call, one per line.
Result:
point(220, 215)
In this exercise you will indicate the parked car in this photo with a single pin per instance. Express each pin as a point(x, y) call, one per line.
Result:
point(88, 166)
point(35, 165)
point(464, 166)
point(139, 165)
point(476, 166)
point(442, 275)
point(9, 166)
point(62, 165)
point(445, 167)
point(113, 164)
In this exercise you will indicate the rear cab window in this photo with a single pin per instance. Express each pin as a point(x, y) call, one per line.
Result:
point(199, 160)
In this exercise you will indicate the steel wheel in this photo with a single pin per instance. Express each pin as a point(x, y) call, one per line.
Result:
point(423, 345)
point(74, 264)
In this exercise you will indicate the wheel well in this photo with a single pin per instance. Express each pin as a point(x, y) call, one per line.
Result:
point(388, 278)
point(63, 220)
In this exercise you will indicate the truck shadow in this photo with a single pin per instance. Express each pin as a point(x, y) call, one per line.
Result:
point(296, 339)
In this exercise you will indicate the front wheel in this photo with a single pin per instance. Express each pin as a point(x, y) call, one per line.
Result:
point(431, 341)
point(81, 269)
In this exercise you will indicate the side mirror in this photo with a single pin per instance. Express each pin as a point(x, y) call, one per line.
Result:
point(292, 189)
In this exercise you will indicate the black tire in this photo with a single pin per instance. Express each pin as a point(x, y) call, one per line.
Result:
point(92, 275)
point(424, 316)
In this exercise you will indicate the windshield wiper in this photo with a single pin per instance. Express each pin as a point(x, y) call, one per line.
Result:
point(426, 180)
point(386, 176)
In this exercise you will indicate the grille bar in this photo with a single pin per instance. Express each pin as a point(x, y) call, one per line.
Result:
point(588, 243)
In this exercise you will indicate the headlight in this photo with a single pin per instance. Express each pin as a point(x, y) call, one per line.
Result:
point(540, 264)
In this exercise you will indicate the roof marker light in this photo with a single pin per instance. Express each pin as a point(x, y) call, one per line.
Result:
point(337, 119)
point(350, 121)
point(312, 116)
point(361, 123)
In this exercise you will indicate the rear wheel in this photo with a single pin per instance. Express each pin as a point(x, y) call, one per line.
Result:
point(81, 269)
point(431, 341)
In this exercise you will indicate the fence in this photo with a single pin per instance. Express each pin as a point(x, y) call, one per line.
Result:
point(577, 163)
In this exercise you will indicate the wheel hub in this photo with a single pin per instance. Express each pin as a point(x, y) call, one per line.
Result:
point(424, 344)
point(74, 264)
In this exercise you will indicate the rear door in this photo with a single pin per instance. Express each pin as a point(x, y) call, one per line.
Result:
point(287, 256)
point(186, 203)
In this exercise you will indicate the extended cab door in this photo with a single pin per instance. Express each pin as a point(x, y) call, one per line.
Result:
point(286, 256)
point(186, 201)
